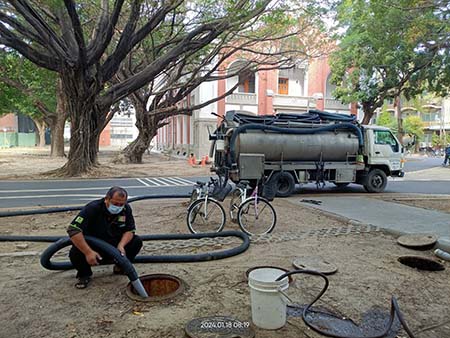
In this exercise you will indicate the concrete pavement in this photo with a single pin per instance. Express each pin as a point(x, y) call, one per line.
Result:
point(396, 218)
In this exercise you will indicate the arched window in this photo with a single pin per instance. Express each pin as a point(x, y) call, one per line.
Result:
point(247, 80)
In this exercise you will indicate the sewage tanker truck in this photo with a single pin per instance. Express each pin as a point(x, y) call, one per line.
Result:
point(315, 147)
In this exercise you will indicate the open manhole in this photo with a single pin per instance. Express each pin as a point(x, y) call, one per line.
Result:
point(267, 267)
point(421, 263)
point(158, 287)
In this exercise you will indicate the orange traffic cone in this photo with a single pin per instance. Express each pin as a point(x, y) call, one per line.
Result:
point(194, 160)
point(203, 163)
point(206, 159)
point(190, 160)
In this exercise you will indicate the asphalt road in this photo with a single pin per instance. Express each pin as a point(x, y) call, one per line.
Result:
point(15, 194)
point(29, 194)
point(421, 163)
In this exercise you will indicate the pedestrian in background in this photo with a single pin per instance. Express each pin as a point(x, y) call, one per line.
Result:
point(447, 155)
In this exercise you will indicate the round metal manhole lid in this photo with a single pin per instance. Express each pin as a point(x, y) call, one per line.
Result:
point(421, 263)
point(159, 287)
point(268, 267)
point(417, 241)
point(218, 327)
point(315, 263)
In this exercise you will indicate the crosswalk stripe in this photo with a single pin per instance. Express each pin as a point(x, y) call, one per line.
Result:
point(184, 180)
point(153, 183)
point(161, 181)
point(168, 180)
point(143, 182)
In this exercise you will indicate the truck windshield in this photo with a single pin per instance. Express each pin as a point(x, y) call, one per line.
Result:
point(385, 137)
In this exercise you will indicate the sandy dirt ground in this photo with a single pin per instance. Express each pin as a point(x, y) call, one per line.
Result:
point(35, 163)
point(39, 303)
point(35, 302)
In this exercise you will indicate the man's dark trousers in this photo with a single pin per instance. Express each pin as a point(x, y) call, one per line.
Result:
point(83, 268)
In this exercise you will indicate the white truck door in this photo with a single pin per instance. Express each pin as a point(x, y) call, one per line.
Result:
point(386, 149)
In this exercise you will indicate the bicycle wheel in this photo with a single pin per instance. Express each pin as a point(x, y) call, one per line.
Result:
point(256, 218)
point(205, 216)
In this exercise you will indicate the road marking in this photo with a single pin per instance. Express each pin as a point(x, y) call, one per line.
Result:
point(144, 183)
point(153, 183)
point(161, 181)
point(171, 181)
point(67, 189)
point(183, 180)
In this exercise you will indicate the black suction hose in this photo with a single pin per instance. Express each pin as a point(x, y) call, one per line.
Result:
point(395, 309)
point(79, 207)
point(120, 260)
point(203, 257)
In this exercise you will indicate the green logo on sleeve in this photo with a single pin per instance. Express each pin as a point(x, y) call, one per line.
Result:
point(79, 220)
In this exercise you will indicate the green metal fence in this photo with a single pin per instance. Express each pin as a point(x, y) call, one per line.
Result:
point(8, 139)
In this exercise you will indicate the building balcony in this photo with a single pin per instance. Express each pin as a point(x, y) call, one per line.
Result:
point(333, 104)
point(291, 102)
point(242, 98)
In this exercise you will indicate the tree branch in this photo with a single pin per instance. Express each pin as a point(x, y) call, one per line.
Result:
point(103, 34)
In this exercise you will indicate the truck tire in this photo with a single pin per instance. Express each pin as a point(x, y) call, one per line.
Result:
point(376, 181)
point(284, 183)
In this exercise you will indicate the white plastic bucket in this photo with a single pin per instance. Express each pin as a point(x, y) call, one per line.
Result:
point(268, 304)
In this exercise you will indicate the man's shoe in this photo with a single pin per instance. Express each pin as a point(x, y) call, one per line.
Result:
point(117, 270)
point(83, 282)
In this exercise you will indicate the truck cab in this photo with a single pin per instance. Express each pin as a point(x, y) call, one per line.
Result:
point(383, 156)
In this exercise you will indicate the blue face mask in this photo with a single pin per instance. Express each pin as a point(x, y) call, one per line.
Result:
point(114, 209)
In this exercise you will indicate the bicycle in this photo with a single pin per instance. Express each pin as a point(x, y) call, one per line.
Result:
point(255, 215)
point(205, 213)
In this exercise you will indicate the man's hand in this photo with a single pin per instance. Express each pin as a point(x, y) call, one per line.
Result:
point(93, 258)
point(121, 249)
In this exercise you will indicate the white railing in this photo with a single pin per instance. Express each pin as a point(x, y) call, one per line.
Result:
point(242, 98)
point(289, 101)
point(333, 104)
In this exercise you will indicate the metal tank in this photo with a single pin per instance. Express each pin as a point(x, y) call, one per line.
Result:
point(325, 146)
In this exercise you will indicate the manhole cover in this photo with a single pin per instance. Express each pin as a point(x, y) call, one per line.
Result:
point(421, 263)
point(267, 267)
point(417, 241)
point(158, 287)
point(315, 263)
point(218, 327)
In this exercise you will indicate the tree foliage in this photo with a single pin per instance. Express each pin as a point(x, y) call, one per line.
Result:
point(26, 88)
point(391, 48)
point(386, 119)
point(413, 126)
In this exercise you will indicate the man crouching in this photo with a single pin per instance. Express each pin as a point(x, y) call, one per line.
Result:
point(110, 219)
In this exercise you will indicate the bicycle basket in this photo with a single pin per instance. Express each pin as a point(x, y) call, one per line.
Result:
point(220, 192)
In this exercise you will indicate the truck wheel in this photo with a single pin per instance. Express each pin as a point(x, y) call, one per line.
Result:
point(376, 181)
point(284, 183)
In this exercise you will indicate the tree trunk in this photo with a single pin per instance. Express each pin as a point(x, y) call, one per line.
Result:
point(58, 123)
point(40, 125)
point(368, 113)
point(57, 134)
point(147, 125)
point(86, 122)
